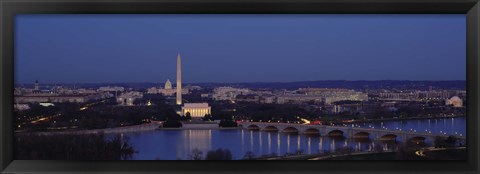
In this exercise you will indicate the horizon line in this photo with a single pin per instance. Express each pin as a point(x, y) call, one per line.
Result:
point(241, 82)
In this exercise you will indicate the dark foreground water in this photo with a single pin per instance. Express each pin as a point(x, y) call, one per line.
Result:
point(178, 144)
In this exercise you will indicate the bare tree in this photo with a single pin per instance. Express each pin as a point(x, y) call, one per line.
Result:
point(196, 154)
point(249, 155)
point(219, 154)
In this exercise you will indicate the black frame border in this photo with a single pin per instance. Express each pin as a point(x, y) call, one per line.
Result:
point(9, 8)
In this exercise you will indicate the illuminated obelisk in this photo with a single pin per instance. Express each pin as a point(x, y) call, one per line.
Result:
point(179, 79)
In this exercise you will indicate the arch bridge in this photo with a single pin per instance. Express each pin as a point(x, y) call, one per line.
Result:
point(347, 132)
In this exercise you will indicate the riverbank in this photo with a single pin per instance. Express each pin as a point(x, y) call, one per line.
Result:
point(326, 156)
point(125, 129)
point(458, 153)
point(134, 128)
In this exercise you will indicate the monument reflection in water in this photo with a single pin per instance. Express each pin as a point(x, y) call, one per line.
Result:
point(194, 140)
point(179, 144)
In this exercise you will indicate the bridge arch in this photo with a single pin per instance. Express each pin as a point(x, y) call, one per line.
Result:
point(290, 130)
point(361, 135)
point(271, 129)
point(253, 127)
point(389, 137)
point(417, 140)
point(312, 131)
point(335, 133)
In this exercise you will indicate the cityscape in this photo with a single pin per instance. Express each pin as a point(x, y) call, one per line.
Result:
point(384, 112)
point(340, 114)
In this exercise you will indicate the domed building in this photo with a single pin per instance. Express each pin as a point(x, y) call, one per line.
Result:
point(168, 84)
point(167, 90)
point(455, 101)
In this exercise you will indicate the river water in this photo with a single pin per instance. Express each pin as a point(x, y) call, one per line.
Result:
point(178, 144)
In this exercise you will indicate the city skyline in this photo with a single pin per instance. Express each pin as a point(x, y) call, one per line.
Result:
point(296, 51)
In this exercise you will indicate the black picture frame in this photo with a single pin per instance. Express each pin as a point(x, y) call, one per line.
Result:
point(9, 8)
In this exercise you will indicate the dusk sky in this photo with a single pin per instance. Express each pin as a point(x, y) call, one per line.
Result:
point(238, 48)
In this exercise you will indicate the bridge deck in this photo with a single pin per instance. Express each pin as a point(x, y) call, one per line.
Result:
point(356, 129)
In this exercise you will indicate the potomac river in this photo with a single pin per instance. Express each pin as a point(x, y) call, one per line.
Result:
point(166, 144)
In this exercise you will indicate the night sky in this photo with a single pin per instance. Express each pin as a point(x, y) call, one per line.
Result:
point(238, 48)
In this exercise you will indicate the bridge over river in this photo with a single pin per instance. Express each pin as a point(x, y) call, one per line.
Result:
point(345, 131)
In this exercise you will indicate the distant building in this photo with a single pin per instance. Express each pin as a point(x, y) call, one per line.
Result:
point(400, 96)
point(191, 88)
point(351, 95)
point(58, 98)
point(434, 95)
point(317, 95)
point(346, 108)
point(248, 98)
point(167, 90)
point(206, 95)
point(37, 85)
point(46, 104)
point(111, 89)
point(21, 107)
point(228, 93)
point(455, 101)
point(127, 99)
point(152, 90)
point(57, 95)
point(298, 99)
point(268, 99)
point(413, 95)
point(196, 109)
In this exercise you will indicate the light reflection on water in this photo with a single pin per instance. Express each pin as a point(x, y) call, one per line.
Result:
point(178, 144)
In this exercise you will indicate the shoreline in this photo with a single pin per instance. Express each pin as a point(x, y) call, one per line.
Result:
point(127, 129)
point(134, 128)
point(334, 156)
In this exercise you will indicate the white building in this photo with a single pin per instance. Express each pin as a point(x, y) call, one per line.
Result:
point(455, 101)
point(152, 90)
point(59, 98)
point(298, 98)
point(228, 93)
point(196, 109)
point(351, 95)
point(328, 96)
point(21, 107)
point(168, 84)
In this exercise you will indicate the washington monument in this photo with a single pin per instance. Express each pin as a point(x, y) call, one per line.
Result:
point(179, 79)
